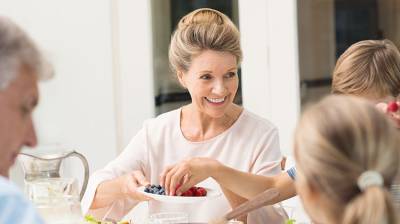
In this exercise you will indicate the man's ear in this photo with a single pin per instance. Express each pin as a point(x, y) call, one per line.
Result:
point(180, 75)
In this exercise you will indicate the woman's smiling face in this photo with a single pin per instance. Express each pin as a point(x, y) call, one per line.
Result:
point(212, 82)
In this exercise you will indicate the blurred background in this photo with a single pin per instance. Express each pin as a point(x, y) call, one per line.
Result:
point(112, 72)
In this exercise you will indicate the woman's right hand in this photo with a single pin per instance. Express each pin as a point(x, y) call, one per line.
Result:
point(129, 184)
point(186, 174)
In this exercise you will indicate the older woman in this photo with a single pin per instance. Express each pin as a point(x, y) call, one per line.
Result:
point(375, 62)
point(205, 54)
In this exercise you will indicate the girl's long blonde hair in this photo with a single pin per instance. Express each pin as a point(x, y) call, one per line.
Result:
point(336, 141)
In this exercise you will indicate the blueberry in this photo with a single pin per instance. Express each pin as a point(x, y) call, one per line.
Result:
point(155, 189)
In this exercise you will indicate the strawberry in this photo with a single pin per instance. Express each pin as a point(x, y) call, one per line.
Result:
point(393, 106)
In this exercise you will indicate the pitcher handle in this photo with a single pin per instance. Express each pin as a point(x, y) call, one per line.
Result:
point(86, 166)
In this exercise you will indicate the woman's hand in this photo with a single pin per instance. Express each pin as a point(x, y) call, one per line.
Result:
point(130, 182)
point(120, 188)
point(178, 178)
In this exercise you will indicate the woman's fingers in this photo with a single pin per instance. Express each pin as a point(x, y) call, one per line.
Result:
point(132, 183)
point(167, 183)
point(140, 179)
point(163, 175)
point(177, 179)
point(186, 185)
point(187, 172)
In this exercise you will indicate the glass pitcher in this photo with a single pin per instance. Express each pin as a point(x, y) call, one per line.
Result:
point(43, 166)
point(56, 198)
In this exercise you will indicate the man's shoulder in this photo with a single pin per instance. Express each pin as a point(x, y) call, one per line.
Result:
point(14, 207)
point(11, 193)
point(7, 188)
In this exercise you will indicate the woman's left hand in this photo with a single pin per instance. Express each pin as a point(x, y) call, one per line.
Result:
point(178, 178)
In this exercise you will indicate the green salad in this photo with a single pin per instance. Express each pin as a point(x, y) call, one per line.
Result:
point(290, 221)
point(91, 220)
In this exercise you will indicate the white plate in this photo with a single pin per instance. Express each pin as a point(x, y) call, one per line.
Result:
point(211, 193)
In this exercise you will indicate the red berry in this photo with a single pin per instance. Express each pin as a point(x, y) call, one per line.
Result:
point(201, 192)
point(393, 107)
point(187, 193)
point(193, 190)
point(198, 193)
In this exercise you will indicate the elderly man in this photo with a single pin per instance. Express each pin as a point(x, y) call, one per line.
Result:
point(21, 66)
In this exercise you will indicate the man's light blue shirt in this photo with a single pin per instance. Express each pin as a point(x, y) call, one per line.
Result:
point(14, 207)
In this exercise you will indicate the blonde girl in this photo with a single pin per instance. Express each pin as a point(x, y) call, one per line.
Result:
point(347, 157)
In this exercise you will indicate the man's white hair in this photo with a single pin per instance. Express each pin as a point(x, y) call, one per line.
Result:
point(18, 50)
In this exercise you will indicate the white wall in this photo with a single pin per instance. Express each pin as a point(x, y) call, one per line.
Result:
point(134, 73)
point(102, 89)
point(76, 107)
point(270, 65)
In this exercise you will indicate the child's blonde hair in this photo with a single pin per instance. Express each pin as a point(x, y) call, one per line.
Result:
point(336, 141)
point(369, 68)
point(203, 29)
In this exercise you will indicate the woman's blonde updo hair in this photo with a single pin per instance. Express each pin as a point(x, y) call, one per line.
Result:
point(203, 29)
point(336, 141)
point(368, 68)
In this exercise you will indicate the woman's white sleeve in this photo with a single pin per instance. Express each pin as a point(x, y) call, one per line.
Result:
point(267, 157)
point(133, 157)
point(266, 162)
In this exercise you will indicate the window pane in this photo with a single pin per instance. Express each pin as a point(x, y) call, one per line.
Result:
point(328, 27)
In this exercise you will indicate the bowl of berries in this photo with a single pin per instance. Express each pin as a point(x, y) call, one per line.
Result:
point(193, 195)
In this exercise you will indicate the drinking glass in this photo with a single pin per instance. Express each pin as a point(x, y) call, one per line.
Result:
point(169, 218)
